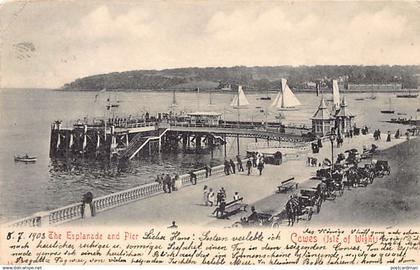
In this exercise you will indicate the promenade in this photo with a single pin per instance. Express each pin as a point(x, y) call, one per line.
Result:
point(186, 205)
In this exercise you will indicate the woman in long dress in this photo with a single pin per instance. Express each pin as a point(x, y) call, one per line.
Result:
point(206, 196)
point(178, 182)
point(211, 197)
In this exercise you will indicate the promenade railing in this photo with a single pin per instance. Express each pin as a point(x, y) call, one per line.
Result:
point(74, 211)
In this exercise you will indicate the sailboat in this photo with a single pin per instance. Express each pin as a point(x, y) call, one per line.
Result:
point(390, 110)
point(240, 101)
point(336, 94)
point(372, 96)
point(285, 99)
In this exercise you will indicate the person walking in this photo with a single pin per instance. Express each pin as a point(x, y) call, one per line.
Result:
point(219, 197)
point(249, 166)
point(260, 166)
point(88, 199)
point(219, 211)
point(240, 167)
point(210, 197)
point(206, 195)
point(168, 183)
point(232, 166)
point(226, 168)
point(193, 178)
point(254, 160)
point(388, 138)
point(178, 182)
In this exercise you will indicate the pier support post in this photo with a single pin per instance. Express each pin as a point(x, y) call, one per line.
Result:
point(224, 146)
point(237, 143)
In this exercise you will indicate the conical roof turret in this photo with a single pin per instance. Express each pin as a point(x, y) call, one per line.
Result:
point(322, 113)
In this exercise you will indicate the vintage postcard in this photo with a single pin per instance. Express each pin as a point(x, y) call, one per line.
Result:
point(209, 132)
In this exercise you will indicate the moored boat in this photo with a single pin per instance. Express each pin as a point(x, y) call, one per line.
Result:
point(25, 158)
point(407, 95)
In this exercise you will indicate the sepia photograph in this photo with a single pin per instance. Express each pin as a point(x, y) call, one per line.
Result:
point(217, 115)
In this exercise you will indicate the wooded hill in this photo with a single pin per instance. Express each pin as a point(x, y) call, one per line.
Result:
point(252, 78)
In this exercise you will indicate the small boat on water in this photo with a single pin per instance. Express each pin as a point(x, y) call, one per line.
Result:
point(359, 99)
point(25, 158)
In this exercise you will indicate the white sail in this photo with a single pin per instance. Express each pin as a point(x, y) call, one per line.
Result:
point(276, 100)
point(234, 101)
point(240, 100)
point(336, 94)
point(285, 98)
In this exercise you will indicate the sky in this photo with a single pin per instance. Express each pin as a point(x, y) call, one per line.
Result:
point(47, 43)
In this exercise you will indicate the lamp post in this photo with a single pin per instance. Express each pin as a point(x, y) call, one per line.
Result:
point(332, 139)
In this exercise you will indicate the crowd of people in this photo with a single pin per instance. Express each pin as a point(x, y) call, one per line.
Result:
point(169, 183)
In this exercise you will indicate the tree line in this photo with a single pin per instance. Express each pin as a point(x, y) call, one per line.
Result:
point(255, 78)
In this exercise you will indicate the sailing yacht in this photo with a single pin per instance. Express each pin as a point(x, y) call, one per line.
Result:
point(285, 99)
point(336, 94)
point(239, 101)
point(390, 110)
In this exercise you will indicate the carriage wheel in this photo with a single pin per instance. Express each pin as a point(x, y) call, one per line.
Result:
point(276, 224)
point(341, 191)
point(237, 225)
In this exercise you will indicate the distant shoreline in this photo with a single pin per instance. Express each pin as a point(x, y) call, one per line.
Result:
point(262, 92)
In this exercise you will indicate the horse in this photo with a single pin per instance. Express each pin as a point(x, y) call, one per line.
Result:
point(291, 211)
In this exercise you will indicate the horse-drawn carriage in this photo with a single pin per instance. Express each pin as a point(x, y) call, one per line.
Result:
point(353, 157)
point(368, 153)
point(332, 179)
point(381, 168)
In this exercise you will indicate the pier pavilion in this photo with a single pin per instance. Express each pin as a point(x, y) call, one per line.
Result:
point(344, 119)
point(322, 121)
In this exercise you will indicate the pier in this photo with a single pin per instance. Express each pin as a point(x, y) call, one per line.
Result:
point(127, 138)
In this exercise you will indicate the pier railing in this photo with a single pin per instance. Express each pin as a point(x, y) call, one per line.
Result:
point(74, 211)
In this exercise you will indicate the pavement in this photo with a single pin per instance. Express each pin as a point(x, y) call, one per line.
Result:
point(186, 205)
